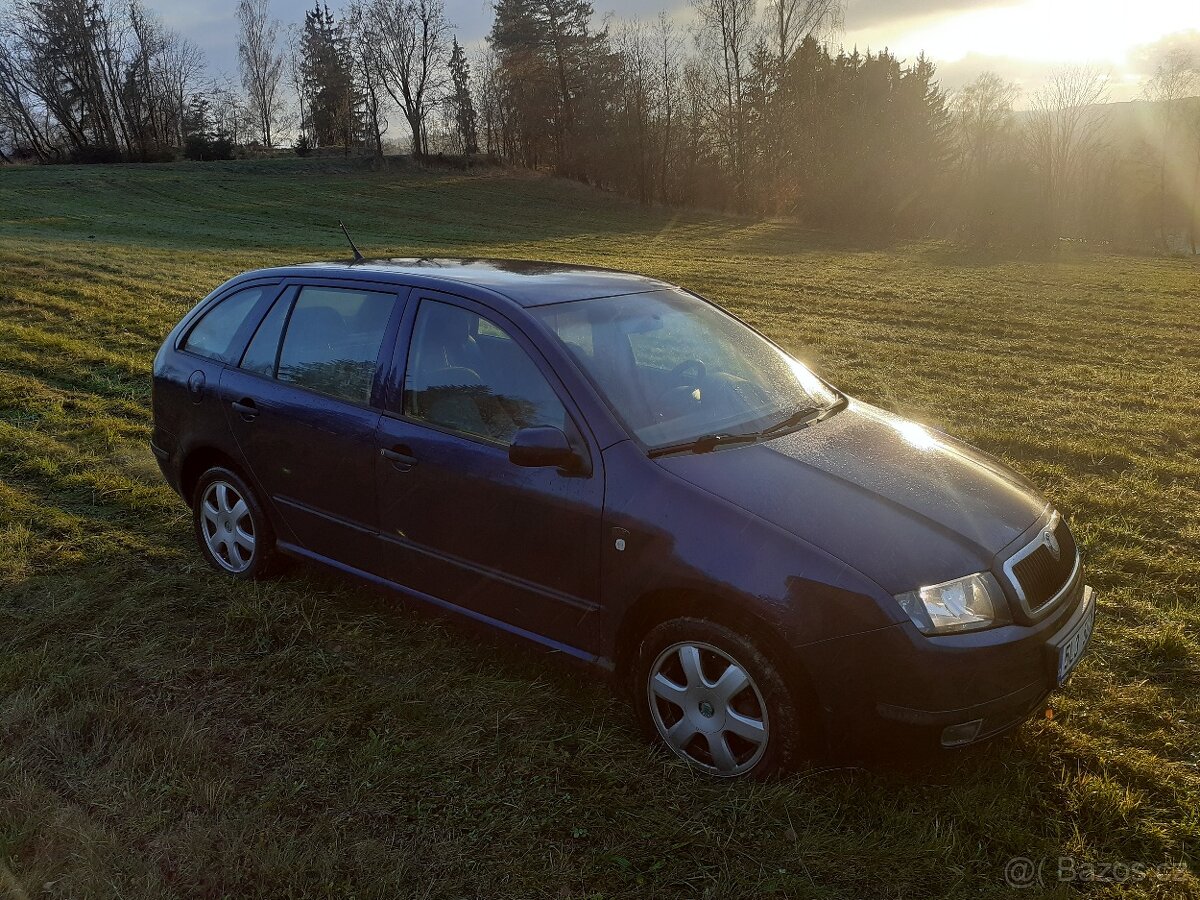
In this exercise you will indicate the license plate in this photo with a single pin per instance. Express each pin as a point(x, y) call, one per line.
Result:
point(1071, 647)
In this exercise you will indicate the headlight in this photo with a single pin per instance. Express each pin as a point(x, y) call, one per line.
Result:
point(965, 604)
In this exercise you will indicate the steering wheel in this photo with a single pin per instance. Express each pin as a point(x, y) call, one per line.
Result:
point(675, 377)
point(682, 391)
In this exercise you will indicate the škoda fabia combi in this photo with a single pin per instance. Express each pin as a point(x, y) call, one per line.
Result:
point(615, 468)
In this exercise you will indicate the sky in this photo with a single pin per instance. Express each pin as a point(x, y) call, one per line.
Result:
point(1022, 40)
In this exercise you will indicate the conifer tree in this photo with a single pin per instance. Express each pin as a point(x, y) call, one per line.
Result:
point(463, 105)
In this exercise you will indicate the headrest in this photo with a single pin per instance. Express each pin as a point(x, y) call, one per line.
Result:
point(449, 327)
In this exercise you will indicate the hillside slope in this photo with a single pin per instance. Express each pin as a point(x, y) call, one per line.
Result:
point(165, 732)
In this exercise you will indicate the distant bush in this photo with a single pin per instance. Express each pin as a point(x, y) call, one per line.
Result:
point(22, 153)
point(303, 146)
point(97, 155)
point(460, 161)
point(165, 155)
point(443, 161)
point(206, 148)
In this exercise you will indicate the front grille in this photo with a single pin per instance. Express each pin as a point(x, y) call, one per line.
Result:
point(1040, 575)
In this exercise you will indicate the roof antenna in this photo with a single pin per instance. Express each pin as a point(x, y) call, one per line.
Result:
point(358, 257)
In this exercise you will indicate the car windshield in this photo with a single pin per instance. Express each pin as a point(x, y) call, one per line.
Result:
point(677, 369)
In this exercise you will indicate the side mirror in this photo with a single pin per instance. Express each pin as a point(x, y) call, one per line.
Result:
point(542, 446)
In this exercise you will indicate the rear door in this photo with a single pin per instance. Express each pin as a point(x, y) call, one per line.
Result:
point(458, 520)
point(188, 412)
point(304, 406)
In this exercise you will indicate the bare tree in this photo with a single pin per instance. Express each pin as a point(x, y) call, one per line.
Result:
point(1064, 129)
point(791, 21)
point(669, 65)
point(91, 76)
point(63, 68)
point(724, 33)
point(412, 51)
point(982, 114)
point(1175, 78)
point(365, 53)
point(982, 120)
point(261, 62)
point(637, 87)
point(230, 117)
point(489, 104)
point(27, 129)
point(298, 83)
point(178, 70)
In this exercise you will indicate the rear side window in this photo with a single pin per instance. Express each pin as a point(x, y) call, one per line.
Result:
point(333, 339)
point(214, 335)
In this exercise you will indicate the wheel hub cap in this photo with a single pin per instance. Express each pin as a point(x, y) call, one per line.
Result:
point(227, 527)
point(707, 708)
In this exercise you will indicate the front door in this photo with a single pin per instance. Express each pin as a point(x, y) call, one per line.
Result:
point(458, 521)
point(305, 411)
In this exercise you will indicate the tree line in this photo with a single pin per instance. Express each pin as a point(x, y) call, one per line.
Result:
point(748, 108)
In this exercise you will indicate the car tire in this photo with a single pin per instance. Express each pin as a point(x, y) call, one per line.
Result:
point(690, 699)
point(232, 529)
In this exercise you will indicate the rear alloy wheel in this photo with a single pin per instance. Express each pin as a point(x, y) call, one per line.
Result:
point(231, 528)
point(714, 699)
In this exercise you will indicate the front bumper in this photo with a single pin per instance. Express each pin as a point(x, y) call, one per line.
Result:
point(968, 725)
point(953, 690)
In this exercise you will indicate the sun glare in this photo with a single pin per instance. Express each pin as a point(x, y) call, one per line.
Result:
point(1072, 31)
point(915, 435)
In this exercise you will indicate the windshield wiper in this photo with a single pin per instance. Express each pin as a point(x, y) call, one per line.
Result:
point(805, 415)
point(704, 444)
point(802, 416)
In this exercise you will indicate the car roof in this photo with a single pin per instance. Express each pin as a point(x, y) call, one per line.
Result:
point(526, 282)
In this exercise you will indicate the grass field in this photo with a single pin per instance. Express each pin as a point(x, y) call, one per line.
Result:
point(165, 732)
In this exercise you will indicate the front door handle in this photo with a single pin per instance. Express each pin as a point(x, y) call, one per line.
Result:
point(401, 457)
point(246, 408)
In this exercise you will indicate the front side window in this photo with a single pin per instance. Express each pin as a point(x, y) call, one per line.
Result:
point(675, 368)
point(332, 341)
point(216, 332)
point(467, 374)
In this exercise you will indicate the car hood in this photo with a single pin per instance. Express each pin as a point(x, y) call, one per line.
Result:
point(903, 504)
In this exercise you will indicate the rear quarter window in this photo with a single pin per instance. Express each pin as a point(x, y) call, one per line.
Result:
point(264, 346)
point(214, 336)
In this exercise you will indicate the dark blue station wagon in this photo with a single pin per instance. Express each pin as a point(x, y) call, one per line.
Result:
point(614, 468)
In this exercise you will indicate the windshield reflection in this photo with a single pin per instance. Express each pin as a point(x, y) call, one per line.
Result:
point(675, 368)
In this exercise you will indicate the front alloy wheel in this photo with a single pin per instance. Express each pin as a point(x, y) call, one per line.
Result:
point(719, 702)
point(707, 708)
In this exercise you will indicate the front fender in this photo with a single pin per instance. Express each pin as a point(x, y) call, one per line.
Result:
point(677, 537)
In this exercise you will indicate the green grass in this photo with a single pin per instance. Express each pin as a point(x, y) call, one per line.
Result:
point(166, 732)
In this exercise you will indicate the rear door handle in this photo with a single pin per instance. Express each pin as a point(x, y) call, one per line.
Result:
point(246, 408)
point(401, 457)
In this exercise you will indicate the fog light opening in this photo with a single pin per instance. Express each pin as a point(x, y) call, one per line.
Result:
point(959, 735)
